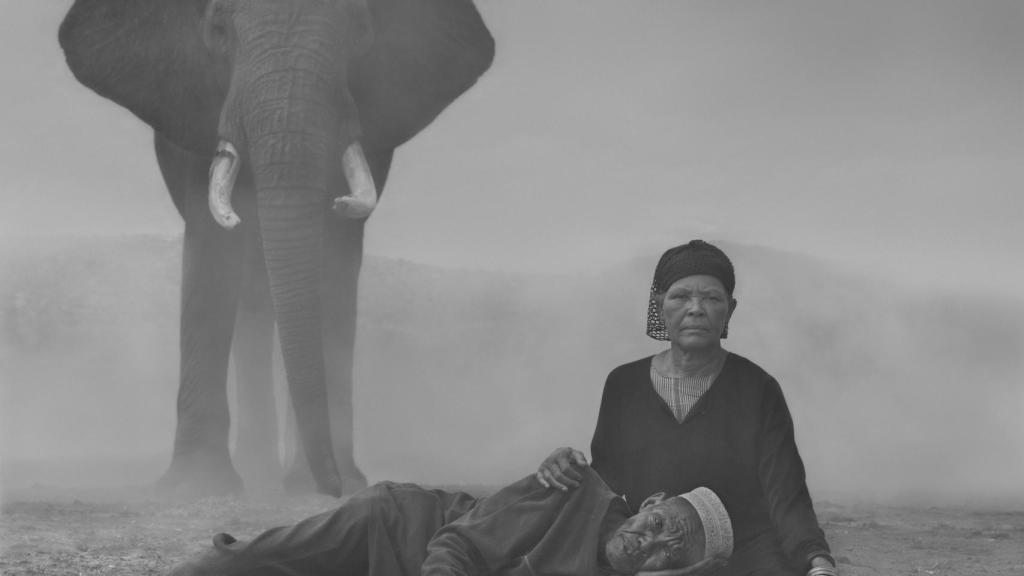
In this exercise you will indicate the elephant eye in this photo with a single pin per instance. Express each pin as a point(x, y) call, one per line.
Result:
point(218, 19)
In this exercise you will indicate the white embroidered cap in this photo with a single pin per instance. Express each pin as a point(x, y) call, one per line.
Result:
point(714, 517)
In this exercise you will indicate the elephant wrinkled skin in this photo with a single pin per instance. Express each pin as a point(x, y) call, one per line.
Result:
point(280, 109)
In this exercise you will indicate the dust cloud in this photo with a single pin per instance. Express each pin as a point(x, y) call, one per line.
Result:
point(472, 377)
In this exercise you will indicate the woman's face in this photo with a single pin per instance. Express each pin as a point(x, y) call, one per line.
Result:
point(695, 310)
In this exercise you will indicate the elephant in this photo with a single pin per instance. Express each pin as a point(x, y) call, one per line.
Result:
point(275, 123)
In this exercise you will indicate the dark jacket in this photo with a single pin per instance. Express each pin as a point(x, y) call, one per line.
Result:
point(393, 529)
point(524, 529)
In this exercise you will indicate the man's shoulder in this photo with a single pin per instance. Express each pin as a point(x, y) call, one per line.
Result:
point(386, 486)
point(592, 479)
point(528, 488)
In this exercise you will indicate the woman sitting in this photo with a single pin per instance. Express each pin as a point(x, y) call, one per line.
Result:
point(698, 415)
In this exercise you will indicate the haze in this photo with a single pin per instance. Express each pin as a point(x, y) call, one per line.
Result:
point(875, 146)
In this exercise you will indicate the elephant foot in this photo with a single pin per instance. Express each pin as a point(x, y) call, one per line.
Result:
point(194, 478)
point(299, 480)
point(331, 484)
point(352, 479)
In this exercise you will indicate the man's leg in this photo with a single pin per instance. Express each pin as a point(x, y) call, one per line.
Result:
point(334, 542)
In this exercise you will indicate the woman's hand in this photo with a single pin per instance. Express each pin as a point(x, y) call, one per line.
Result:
point(557, 469)
point(820, 566)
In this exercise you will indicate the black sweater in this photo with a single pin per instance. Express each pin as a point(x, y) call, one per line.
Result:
point(737, 440)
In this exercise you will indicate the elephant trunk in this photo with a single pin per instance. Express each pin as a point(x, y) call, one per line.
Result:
point(294, 146)
point(292, 225)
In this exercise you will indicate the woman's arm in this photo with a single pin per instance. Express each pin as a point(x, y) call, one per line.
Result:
point(602, 449)
point(783, 480)
point(558, 469)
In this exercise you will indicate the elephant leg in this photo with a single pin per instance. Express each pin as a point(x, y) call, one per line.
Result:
point(256, 431)
point(211, 273)
point(299, 477)
point(342, 264)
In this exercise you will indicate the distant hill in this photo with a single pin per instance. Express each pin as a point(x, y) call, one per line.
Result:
point(472, 377)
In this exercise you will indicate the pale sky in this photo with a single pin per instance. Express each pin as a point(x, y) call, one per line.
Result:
point(884, 134)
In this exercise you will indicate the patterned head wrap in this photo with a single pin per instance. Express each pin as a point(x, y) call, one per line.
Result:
point(690, 259)
point(715, 519)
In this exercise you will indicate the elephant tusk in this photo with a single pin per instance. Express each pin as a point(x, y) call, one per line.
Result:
point(223, 172)
point(362, 197)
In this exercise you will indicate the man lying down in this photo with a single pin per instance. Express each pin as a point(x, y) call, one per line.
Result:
point(524, 529)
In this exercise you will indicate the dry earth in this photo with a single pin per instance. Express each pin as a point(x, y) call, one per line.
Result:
point(59, 531)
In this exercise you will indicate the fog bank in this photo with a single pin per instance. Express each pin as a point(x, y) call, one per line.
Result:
point(473, 377)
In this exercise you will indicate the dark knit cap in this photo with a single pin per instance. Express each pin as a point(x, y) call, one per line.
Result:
point(690, 259)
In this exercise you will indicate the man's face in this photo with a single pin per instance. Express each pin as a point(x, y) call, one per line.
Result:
point(661, 536)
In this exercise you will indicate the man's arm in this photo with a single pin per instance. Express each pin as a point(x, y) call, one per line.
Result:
point(449, 554)
point(705, 566)
point(499, 529)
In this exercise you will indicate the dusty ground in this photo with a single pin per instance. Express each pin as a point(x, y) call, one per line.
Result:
point(56, 531)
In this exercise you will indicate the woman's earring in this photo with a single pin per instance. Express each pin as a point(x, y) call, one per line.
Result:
point(725, 331)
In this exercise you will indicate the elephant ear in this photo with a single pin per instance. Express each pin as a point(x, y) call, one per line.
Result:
point(425, 54)
point(149, 56)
